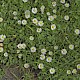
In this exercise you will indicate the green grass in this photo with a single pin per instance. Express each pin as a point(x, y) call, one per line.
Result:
point(46, 39)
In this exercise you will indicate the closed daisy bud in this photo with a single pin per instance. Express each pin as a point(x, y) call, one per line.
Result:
point(24, 22)
point(50, 18)
point(52, 70)
point(64, 51)
point(41, 66)
point(39, 30)
point(78, 66)
point(34, 10)
point(1, 19)
point(40, 23)
point(74, 71)
point(66, 17)
point(42, 57)
point(43, 51)
point(48, 59)
point(6, 54)
point(33, 49)
point(1, 49)
point(77, 31)
point(68, 71)
point(71, 46)
point(26, 65)
point(53, 27)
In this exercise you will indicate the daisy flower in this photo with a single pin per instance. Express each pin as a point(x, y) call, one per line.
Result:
point(39, 30)
point(23, 46)
point(25, 1)
point(48, 13)
point(14, 13)
point(53, 27)
point(43, 51)
point(19, 21)
point(54, 4)
point(64, 51)
point(31, 38)
point(71, 46)
point(78, 66)
point(19, 55)
point(19, 46)
point(50, 52)
point(33, 49)
point(68, 71)
point(42, 9)
point(50, 18)
point(55, 47)
point(54, 10)
point(62, 1)
point(48, 59)
point(6, 54)
point(42, 57)
point(52, 70)
point(2, 37)
point(26, 65)
point(27, 14)
point(66, 17)
point(1, 19)
point(35, 21)
point(18, 51)
point(74, 71)
point(66, 4)
point(34, 10)
point(77, 31)
point(24, 22)
point(41, 66)
point(40, 23)
point(1, 49)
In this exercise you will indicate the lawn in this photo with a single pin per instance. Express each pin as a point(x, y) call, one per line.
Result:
point(39, 39)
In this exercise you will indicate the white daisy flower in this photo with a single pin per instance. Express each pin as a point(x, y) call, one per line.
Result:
point(74, 71)
point(48, 13)
point(24, 22)
point(62, 1)
point(50, 52)
point(77, 31)
point(39, 30)
point(33, 49)
point(18, 51)
point(53, 27)
point(31, 38)
point(54, 11)
point(14, 13)
point(66, 4)
point(25, 0)
point(43, 51)
point(6, 54)
point(42, 57)
point(42, 9)
point(54, 4)
point(23, 46)
point(19, 46)
point(78, 66)
point(1, 44)
point(1, 19)
point(68, 71)
point(19, 21)
point(55, 47)
point(1, 49)
point(71, 46)
point(19, 55)
point(2, 37)
point(35, 21)
point(64, 51)
point(66, 17)
point(50, 18)
point(41, 66)
point(34, 10)
point(52, 70)
point(40, 23)
point(15, 17)
point(26, 65)
point(49, 59)
point(27, 14)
